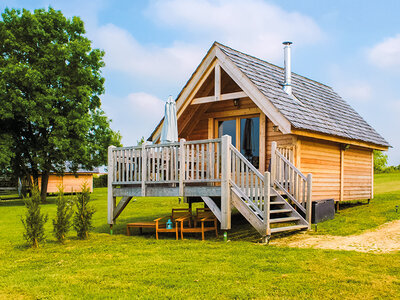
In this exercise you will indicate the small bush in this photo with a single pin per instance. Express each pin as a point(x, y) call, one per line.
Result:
point(62, 221)
point(34, 220)
point(100, 181)
point(84, 213)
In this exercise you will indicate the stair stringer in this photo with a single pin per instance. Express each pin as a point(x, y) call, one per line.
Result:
point(213, 207)
point(294, 213)
point(247, 212)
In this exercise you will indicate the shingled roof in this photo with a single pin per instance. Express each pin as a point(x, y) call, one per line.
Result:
point(321, 108)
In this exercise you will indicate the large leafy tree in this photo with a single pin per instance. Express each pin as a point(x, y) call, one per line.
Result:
point(50, 82)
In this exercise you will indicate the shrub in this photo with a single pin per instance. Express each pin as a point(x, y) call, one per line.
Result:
point(62, 221)
point(84, 213)
point(101, 181)
point(34, 220)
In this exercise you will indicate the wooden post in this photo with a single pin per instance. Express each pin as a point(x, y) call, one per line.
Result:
point(110, 178)
point(225, 184)
point(273, 162)
point(217, 83)
point(309, 200)
point(372, 175)
point(181, 166)
point(341, 173)
point(144, 169)
point(267, 199)
point(262, 143)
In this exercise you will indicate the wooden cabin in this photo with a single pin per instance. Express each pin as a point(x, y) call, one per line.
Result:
point(324, 135)
point(255, 136)
point(72, 182)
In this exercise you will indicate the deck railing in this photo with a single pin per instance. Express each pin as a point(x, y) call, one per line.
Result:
point(175, 163)
point(287, 152)
point(291, 181)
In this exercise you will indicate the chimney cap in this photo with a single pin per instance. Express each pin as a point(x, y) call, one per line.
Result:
point(287, 43)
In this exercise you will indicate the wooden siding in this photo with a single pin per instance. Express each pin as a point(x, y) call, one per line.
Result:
point(70, 182)
point(275, 136)
point(357, 174)
point(322, 159)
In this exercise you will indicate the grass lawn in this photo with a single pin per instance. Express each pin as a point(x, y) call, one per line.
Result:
point(119, 266)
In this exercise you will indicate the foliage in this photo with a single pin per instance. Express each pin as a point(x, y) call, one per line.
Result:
point(380, 161)
point(100, 181)
point(62, 221)
point(141, 141)
point(50, 110)
point(185, 269)
point(84, 213)
point(34, 220)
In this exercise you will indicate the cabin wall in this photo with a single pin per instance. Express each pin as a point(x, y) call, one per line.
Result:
point(70, 182)
point(322, 159)
point(358, 174)
point(338, 173)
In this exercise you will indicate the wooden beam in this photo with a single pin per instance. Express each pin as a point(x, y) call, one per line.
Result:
point(121, 206)
point(372, 175)
point(225, 182)
point(331, 138)
point(341, 173)
point(210, 99)
point(110, 198)
point(262, 150)
point(217, 82)
point(234, 113)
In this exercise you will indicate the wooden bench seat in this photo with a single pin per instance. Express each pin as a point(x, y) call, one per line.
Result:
point(139, 225)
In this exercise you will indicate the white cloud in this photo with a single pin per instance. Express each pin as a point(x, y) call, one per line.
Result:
point(253, 26)
point(355, 90)
point(386, 54)
point(124, 53)
point(135, 115)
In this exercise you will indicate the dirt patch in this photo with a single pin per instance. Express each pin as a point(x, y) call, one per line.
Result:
point(384, 239)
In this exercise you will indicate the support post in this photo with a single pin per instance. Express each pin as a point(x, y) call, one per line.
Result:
point(225, 182)
point(144, 169)
point(217, 83)
point(181, 166)
point(110, 178)
point(273, 162)
point(309, 200)
point(267, 201)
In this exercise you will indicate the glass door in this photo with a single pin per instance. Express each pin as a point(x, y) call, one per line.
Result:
point(248, 139)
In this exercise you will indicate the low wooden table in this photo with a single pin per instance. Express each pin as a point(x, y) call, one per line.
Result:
point(139, 225)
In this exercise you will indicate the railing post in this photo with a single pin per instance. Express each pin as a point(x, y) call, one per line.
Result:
point(225, 182)
point(110, 178)
point(309, 200)
point(273, 162)
point(144, 169)
point(267, 199)
point(181, 166)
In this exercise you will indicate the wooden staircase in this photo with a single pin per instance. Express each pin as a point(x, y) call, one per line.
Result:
point(270, 207)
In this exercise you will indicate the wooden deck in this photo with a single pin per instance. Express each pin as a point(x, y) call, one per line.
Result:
point(212, 169)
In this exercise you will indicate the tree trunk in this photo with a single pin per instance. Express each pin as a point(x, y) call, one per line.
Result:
point(43, 189)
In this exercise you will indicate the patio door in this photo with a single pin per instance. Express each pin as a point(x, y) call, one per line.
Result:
point(245, 133)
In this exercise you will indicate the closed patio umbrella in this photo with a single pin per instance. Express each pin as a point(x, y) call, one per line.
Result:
point(169, 133)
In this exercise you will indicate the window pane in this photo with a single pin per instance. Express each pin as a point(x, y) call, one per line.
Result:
point(250, 139)
point(227, 127)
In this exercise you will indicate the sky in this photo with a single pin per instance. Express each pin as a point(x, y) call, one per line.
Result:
point(153, 47)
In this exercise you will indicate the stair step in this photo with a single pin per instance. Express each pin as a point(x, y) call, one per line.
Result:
point(277, 202)
point(280, 211)
point(288, 228)
point(284, 220)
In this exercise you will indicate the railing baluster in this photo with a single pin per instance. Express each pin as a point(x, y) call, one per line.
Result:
point(197, 161)
point(202, 161)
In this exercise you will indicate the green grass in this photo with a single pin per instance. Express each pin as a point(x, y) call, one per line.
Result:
point(125, 267)
point(358, 216)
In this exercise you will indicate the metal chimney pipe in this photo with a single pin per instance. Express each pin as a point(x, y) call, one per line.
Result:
point(287, 85)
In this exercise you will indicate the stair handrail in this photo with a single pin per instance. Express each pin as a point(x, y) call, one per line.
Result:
point(290, 180)
point(248, 179)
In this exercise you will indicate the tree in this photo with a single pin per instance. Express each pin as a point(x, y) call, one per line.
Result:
point(62, 221)
point(50, 82)
point(34, 220)
point(380, 161)
point(83, 214)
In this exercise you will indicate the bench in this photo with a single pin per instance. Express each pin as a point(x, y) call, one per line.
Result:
point(139, 225)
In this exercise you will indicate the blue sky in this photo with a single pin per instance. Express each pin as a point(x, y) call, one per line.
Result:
point(152, 48)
